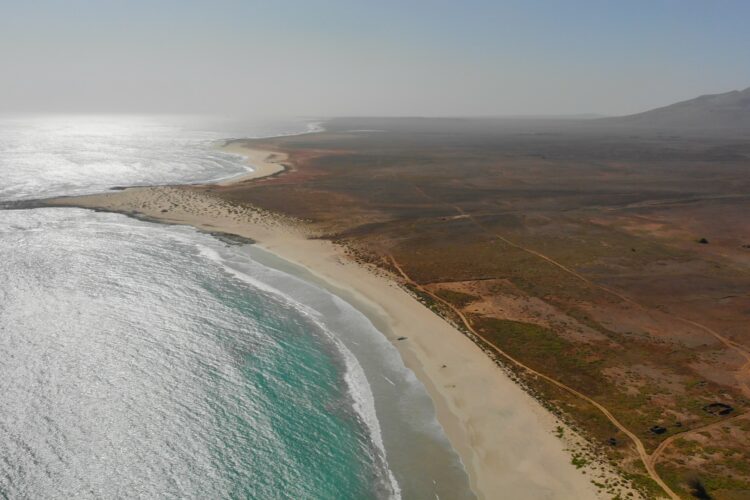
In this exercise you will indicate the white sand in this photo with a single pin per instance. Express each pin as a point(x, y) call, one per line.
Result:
point(263, 162)
point(504, 437)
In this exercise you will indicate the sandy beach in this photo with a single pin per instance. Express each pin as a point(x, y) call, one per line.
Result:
point(264, 163)
point(506, 439)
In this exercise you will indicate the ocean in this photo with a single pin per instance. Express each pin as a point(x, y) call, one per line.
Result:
point(156, 361)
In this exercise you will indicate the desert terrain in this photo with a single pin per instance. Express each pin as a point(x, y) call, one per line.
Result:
point(607, 269)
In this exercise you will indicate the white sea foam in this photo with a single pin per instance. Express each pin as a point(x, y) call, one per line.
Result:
point(357, 384)
point(364, 404)
point(110, 360)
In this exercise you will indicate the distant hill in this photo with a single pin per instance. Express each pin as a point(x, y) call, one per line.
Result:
point(711, 113)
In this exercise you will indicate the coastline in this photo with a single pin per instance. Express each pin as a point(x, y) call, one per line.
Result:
point(264, 163)
point(504, 437)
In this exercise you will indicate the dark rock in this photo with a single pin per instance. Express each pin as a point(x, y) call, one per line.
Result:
point(718, 409)
point(703, 241)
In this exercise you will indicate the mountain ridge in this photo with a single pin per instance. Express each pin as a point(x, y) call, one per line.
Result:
point(710, 112)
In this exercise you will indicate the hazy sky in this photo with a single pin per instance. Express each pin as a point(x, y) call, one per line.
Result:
point(384, 57)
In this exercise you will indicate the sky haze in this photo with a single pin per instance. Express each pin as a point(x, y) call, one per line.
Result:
point(389, 57)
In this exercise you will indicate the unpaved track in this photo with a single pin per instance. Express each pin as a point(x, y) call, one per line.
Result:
point(644, 456)
point(742, 374)
point(649, 460)
point(667, 442)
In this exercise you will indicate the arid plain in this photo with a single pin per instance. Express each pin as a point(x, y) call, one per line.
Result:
point(608, 270)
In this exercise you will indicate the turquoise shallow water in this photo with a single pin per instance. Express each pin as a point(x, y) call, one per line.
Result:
point(161, 362)
point(136, 364)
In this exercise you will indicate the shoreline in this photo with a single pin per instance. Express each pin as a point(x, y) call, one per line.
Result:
point(265, 163)
point(502, 434)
